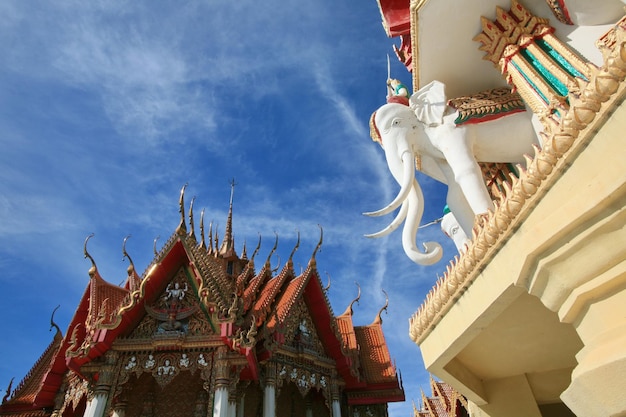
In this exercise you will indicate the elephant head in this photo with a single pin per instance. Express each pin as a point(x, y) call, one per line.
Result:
point(398, 131)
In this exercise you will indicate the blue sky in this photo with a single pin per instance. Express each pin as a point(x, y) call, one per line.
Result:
point(108, 108)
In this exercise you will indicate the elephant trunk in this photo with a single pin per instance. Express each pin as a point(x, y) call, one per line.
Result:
point(432, 250)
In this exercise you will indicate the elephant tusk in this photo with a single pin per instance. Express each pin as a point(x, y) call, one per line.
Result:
point(394, 224)
point(405, 186)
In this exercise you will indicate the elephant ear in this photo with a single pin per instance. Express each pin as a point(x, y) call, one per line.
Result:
point(429, 103)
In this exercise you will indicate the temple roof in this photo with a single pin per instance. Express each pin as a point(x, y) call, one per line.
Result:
point(253, 314)
point(23, 399)
point(443, 402)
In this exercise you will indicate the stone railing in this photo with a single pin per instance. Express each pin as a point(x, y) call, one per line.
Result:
point(588, 111)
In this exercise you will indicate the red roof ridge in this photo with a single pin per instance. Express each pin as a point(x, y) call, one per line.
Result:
point(31, 384)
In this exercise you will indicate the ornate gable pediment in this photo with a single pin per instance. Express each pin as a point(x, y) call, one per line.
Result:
point(300, 332)
point(176, 312)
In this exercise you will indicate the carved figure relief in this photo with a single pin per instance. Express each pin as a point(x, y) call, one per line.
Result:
point(174, 306)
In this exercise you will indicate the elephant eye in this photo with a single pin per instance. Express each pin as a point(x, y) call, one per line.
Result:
point(396, 122)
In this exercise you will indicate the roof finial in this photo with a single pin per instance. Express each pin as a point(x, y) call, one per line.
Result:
point(182, 227)
point(202, 242)
point(295, 247)
point(228, 242)
point(379, 319)
point(8, 392)
point(209, 248)
point(273, 250)
point(192, 233)
point(319, 244)
point(125, 255)
point(52, 323)
point(256, 250)
point(244, 251)
point(154, 246)
point(328, 286)
point(356, 300)
point(93, 268)
point(217, 242)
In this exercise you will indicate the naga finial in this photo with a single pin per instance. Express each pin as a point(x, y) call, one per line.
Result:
point(319, 244)
point(356, 300)
point(327, 286)
point(273, 249)
point(256, 250)
point(202, 242)
point(125, 255)
point(182, 227)
point(379, 319)
point(295, 247)
point(192, 232)
point(93, 268)
point(8, 391)
point(52, 323)
point(154, 245)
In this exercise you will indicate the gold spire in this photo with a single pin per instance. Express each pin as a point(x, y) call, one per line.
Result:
point(228, 244)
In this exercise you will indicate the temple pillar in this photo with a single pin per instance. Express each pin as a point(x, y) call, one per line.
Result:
point(269, 393)
point(309, 408)
point(222, 381)
point(232, 402)
point(335, 399)
point(97, 404)
point(240, 406)
point(119, 409)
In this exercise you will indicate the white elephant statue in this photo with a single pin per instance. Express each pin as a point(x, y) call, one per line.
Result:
point(425, 129)
point(451, 228)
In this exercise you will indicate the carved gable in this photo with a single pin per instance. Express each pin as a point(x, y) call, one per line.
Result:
point(300, 331)
point(177, 310)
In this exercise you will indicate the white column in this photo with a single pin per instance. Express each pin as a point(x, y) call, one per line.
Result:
point(88, 406)
point(336, 408)
point(240, 406)
point(119, 410)
point(232, 409)
point(96, 406)
point(220, 404)
point(269, 401)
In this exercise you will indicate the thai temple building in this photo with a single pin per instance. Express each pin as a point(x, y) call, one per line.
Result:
point(443, 402)
point(202, 333)
point(529, 318)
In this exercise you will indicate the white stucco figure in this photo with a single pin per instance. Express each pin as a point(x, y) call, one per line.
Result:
point(451, 227)
point(448, 153)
